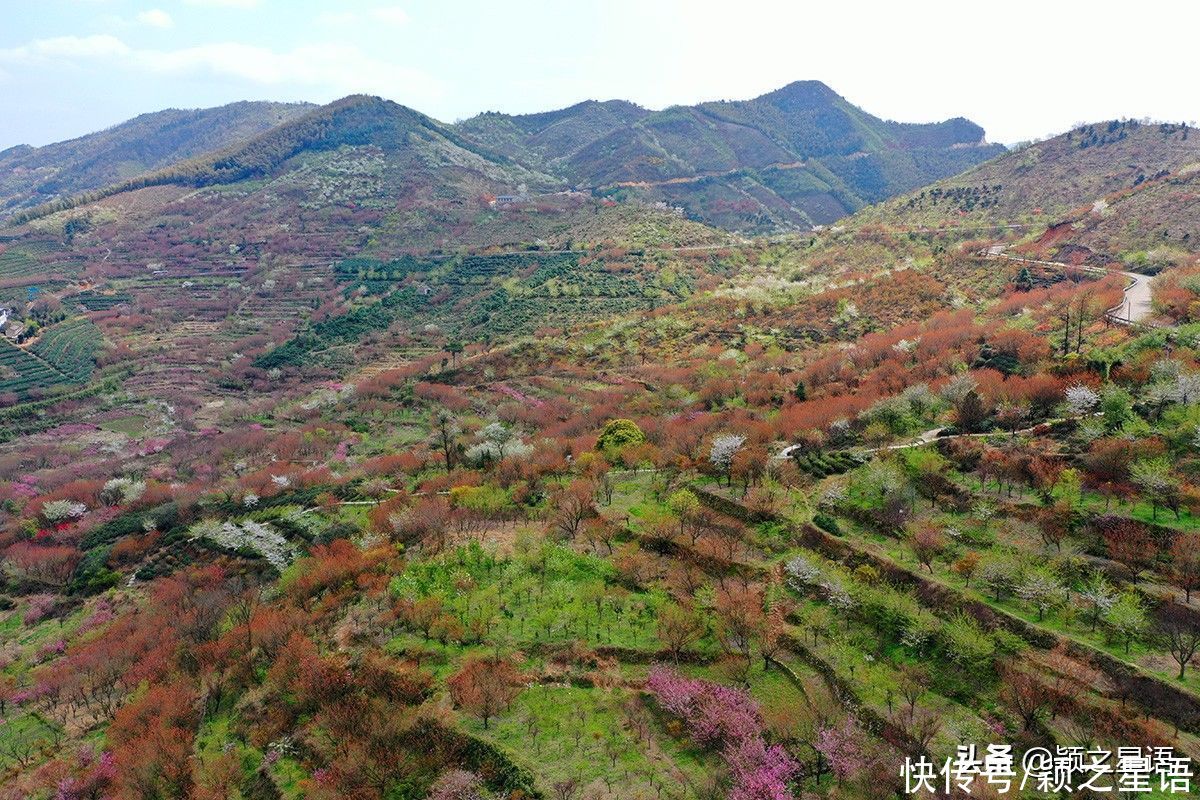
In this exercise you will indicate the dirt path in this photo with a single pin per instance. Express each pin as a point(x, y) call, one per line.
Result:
point(1135, 309)
point(922, 440)
point(928, 437)
point(703, 176)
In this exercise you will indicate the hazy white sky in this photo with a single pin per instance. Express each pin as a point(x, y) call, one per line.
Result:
point(1021, 69)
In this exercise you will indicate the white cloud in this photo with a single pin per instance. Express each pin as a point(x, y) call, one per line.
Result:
point(314, 65)
point(328, 68)
point(385, 15)
point(155, 18)
point(224, 3)
point(66, 47)
point(393, 15)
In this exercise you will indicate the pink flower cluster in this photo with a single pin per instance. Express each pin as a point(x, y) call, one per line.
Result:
point(101, 616)
point(52, 649)
point(40, 606)
point(23, 488)
point(93, 776)
point(841, 746)
point(520, 397)
point(71, 429)
point(721, 716)
point(152, 446)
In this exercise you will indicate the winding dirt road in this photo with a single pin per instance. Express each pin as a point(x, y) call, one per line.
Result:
point(1135, 309)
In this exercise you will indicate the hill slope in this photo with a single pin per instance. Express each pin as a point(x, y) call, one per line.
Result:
point(1099, 193)
point(791, 158)
point(1051, 177)
point(360, 176)
point(33, 175)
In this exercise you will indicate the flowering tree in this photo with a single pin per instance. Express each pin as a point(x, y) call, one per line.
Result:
point(485, 686)
point(802, 574)
point(927, 543)
point(121, 491)
point(1185, 562)
point(57, 511)
point(841, 745)
point(1081, 399)
point(1099, 594)
point(45, 565)
point(497, 443)
point(722, 452)
point(1127, 617)
point(1129, 542)
point(1041, 589)
point(456, 784)
point(1158, 483)
point(724, 717)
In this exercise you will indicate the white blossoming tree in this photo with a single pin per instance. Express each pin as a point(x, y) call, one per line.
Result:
point(57, 511)
point(121, 491)
point(1081, 399)
point(497, 443)
point(724, 449)
point(802, 573)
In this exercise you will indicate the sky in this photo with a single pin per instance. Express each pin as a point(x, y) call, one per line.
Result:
point(1023, 70)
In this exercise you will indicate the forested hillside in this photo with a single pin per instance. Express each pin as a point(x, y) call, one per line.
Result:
point(363, 459)
point(30, 176)
point(791, 158)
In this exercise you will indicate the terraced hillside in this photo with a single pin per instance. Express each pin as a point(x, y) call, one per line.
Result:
point(788, 159)
point(22, 372)
point(396, 481)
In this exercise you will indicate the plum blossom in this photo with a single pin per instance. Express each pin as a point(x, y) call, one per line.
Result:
point(721, 716)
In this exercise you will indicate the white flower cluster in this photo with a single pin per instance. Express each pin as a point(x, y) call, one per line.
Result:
point(63, 510)
point(837, 594)
point(256, 536)
point(723, 450)
point(834, 495)
point(120, 491)
point(801, 573)
point(1081, 399)
point(498, 443)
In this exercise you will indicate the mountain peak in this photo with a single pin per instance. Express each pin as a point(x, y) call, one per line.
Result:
point(799, 95)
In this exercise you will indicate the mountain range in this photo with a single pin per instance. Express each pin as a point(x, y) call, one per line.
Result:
point(798, 156)
point(33, 175)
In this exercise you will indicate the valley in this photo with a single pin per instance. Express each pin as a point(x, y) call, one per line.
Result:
point(736, 450)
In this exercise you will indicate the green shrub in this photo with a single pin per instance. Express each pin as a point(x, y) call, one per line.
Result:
point(827, 524)
point(618, 434)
